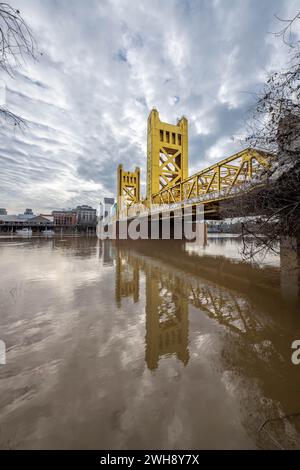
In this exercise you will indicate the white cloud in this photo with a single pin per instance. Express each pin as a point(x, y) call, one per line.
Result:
point(105, 65)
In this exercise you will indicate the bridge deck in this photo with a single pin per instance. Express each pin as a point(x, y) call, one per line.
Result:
point(219, 181)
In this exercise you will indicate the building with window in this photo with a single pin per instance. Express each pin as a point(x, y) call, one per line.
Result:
point(86, 216)
point(64, 218)
point(38, 223)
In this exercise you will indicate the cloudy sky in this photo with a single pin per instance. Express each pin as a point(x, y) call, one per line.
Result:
point(105, 65)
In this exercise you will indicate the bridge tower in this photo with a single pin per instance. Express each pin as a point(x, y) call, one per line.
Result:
point(167, 153)
point(127, 277)
point(128, 190)
point(167, 323)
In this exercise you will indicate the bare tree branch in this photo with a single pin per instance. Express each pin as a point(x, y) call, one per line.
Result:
point(286, 33)
point(274, 127)
point(16, 44)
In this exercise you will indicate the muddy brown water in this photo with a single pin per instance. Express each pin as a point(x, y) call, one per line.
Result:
point(154, 345)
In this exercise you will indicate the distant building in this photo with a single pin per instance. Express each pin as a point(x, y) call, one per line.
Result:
point(86, 216)
point(40, 220)
point(28, 212)
point(8, 220)
point(3, 211)
point(65, 218)
point(48, 216)
point(83, 219)
point(109, 201)
point(106, 207)
point(13, 222)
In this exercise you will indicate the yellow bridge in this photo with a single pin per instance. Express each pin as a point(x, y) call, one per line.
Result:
point(168, 182)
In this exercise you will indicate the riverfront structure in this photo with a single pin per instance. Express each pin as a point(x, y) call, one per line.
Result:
point(81, 219)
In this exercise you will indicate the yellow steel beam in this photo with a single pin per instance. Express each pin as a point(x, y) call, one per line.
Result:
point(228, 173)
point(167, 153)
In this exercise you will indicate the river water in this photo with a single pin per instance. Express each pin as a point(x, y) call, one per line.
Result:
point(154, 345)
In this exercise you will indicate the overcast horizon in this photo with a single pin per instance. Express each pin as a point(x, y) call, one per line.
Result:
point(104, 66)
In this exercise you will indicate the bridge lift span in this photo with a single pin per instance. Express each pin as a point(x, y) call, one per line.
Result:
point(168, 182)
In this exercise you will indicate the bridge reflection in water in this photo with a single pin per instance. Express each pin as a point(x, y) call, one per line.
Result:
point(146, 345)
point(254, 324)
point(166, 305)
point(169, 293)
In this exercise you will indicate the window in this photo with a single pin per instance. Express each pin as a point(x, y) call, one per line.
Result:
point(168, 136)
point(179, 139)
point(161, 133)
point(173, 138)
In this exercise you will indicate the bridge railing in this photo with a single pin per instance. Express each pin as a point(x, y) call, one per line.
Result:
point(222, 179)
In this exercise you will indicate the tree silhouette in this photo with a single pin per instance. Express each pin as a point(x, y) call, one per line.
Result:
point(16, 44)
point(274, 127)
